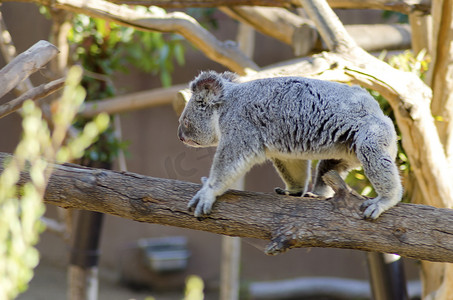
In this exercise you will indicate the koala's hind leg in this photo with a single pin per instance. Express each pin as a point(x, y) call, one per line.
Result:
point(340, 165)
point(376, 150)
point(295, 173)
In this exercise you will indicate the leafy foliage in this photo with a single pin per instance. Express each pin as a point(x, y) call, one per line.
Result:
point(21, 207)
point(205, 16)
point(103, 48)
point(407, 61)
point(194, 288)
point(400, 17)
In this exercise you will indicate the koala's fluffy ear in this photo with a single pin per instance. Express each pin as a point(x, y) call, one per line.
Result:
point(230, 76)
point(209, 86)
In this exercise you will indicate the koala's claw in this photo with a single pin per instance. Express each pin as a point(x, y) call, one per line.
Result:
point(193, 203)
point(372, 208)
point(281, 191)
point(312, 195)
point(202, 202)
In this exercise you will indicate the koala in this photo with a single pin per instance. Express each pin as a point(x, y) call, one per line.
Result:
point(290, 121)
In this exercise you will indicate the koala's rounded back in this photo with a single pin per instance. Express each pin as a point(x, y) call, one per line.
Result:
point(297, 114)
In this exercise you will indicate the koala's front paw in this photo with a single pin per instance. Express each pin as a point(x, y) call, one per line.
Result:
point(202, 202)
point(373, 208)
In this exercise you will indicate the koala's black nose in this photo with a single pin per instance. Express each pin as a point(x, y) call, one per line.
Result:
point(180, 134)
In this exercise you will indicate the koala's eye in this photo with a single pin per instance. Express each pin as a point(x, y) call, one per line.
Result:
point(185, 122)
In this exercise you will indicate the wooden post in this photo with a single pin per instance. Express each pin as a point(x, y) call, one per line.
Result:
point(83, 269)
point(230, 261)
point(231, 246)
point(229, 268)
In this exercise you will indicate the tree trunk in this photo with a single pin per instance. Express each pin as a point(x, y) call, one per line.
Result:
point(438, 278)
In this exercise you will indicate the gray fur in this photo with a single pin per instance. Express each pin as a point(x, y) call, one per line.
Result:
point(290, 120)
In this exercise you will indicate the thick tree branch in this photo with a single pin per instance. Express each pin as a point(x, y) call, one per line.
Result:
point(26, 64)
point(438, 278)
point(300, 32)
point(442, 73)
point(403, 6)
point(278, 23)
point(226, 53)
point(329, 26)
point(415, 231)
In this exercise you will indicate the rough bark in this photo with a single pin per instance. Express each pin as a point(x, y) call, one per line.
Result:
point(416, 231)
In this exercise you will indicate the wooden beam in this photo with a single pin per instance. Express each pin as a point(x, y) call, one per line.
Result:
point(133, 101)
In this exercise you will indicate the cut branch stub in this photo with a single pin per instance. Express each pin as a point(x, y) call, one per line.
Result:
point(345, 201)
point(25, 64)
point(324, 223)
point(334, 180)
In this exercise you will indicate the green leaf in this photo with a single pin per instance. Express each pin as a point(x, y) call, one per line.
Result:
point(164, 52)
point(179, 54)
point(101, 26)
point(165, 77)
